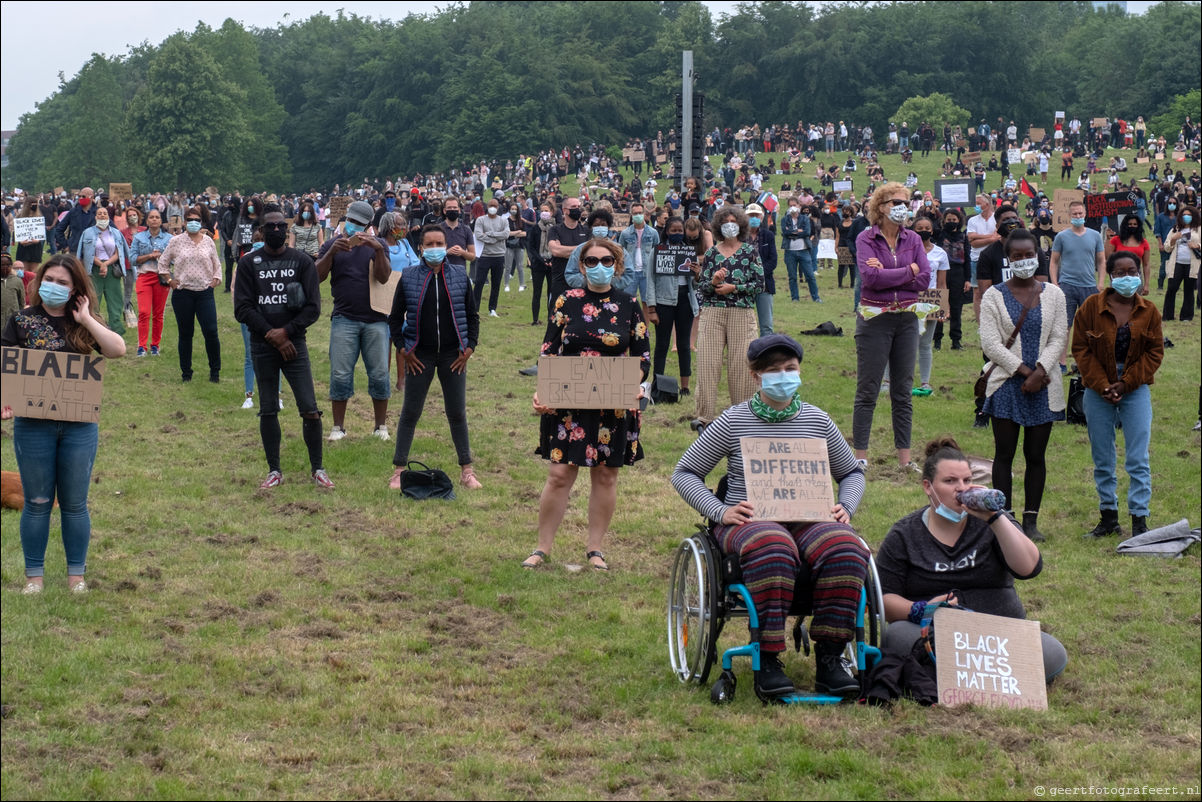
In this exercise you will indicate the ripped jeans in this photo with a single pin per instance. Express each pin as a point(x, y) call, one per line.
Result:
point(55, 459)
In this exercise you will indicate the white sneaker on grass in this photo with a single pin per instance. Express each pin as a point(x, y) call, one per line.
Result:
point(381, 432)
point(249, 403)
point(336, 434)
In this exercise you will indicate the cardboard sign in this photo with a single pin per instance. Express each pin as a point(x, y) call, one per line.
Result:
point(382, 295)
point(29, 228)
point(634, 154)
point(337, 209)
point(1036, 134)
point(660, 158)
point(826, 249)
point(845, 257)
point(55, 385)
point(788, 478)
point(621, 221)
point(1014, 155)
point(58, 190)
point(842, 186)
point(954, 192)
point(940, 297)
point(673, 260)
point(120, 192)
point(969, 159)
point(212, 192)
point(1099, 122)
point(1144, 160)
point(1061, 198)
point(1109, 208)
point(989, 660)
point(589, 382)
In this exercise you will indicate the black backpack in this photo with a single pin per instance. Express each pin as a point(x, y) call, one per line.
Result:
point(1075, 410)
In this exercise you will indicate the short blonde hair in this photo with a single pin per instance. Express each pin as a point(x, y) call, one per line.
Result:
point(873, 211)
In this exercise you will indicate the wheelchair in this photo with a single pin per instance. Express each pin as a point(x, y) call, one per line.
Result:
point(706, 592)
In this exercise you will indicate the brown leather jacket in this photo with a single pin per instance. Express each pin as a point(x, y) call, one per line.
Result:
point(1094, 330)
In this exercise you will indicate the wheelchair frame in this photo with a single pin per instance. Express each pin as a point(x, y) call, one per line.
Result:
point(700, 602)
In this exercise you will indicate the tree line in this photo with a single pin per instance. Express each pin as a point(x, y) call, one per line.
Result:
point(333, 99)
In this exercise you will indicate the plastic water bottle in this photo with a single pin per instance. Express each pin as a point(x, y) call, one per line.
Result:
point(982, 499)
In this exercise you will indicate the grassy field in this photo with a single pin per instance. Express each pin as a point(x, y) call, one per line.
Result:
point(297, 643)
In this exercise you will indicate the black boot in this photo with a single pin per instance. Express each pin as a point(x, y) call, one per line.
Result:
point(1029, 527)
point(1139, 524)
point(771, 680)
point(1109, 525)
point(831, 676)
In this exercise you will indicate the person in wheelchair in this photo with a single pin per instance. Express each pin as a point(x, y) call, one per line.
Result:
point(948, 552)
point(771, 553)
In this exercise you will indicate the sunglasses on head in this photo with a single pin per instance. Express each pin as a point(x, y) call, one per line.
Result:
point(593, 261)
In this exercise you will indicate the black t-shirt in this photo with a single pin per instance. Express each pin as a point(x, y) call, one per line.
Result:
point(566, 236)
point(993, 265)
point(33, 328)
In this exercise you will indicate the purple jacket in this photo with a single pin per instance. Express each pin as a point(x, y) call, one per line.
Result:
point(894, 283)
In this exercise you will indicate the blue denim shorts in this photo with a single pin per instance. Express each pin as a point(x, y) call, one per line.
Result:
point(348, 339)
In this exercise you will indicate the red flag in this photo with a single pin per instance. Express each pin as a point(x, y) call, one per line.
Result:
point(1025, 188)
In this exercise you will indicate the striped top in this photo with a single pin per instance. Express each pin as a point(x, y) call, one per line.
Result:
point(721, 439)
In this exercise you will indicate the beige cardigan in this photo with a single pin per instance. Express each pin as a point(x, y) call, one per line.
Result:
point(996, 328)
point(1195, 241)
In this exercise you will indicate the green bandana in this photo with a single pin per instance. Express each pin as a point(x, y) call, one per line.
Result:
point(771, 414)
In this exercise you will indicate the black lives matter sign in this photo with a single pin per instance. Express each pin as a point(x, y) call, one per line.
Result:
point(54, 385)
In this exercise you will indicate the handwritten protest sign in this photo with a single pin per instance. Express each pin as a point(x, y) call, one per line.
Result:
point(788, 478)
point(589, 382)
point(989, 660)
point(1099, 122)
point(971, 158)
point(1061, 199)
point(1036, 134)
point(55, 385)
point(842, 186)
point(26, 229)
point(672, 260)
point(58, 190)
point(1014, 155)
point(845, 257)
point(1059, 115)
point(621, 221)
point(826, 249)
point(939, 297)
point(337, 209)
point(120, 192)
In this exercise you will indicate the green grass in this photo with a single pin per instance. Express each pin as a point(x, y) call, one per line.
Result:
point(240, 644)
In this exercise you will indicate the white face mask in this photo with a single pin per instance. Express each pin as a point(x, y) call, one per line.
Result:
point(1024, 268)
point(102, 224)
point(730, 230)
point(899, 214)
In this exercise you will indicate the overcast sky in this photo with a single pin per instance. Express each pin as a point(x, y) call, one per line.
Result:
point(75, 30)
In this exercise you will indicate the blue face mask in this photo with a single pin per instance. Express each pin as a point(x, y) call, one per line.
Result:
point(1077, 222)
point(53, 295)
point(434, 256)
point(193, 226)
point(389, 203)
point(943, 511)
point(351, 229)
point(781, 385)
point(753, 221)
point(599, 275)
point(1126, 286)
point(600, 231)
point(254, 246)
point(306, 215)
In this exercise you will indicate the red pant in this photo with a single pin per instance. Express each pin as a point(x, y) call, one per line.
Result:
point(152, 300)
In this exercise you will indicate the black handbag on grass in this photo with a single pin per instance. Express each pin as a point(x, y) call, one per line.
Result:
point(425, 482)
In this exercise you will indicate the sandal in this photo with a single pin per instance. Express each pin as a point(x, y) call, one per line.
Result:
point(467, 478)
point(540, 554)
point(603, 566)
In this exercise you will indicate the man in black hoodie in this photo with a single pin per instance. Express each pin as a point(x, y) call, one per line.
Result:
point(278, 297)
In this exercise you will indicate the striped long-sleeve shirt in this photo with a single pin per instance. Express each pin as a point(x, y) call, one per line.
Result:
point(721, 439)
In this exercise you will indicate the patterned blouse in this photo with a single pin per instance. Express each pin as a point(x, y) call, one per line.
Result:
point(743, 269)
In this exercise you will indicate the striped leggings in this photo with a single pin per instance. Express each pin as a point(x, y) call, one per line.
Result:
point(769, 555)
point(729, 329)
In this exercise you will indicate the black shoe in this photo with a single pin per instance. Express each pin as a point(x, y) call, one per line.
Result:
point(957, 347)
point(832, 676)
point(684, 391)
point(981, 421)
point(771, 680)
point(1139, 524)
point(215, 378)
point(1030, 529)
point(1109, 525)
point(530, 371)
point(537, 323)
point(937, 346)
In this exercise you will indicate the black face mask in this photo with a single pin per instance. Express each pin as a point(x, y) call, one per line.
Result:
point(951, 226)
point(574, 213)
point(1006, 228)
point(452, 215)
point(274, 238)
point(926, 235)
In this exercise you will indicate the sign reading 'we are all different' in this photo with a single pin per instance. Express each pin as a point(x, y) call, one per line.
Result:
point(788, 478)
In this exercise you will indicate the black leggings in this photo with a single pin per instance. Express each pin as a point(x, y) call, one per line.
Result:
point(679, 317)
point(540, 273)
point(1035, 447)
point(1180, 275)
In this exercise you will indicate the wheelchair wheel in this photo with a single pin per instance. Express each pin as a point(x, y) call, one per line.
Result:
point(693, 611)
point(723, 690)
point(874, 610)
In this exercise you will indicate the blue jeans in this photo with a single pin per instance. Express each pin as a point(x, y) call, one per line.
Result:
point(55, 459)
point(763, 312)
point(348, 339)
point(809, 269)
point(248, 362)
point(638, 289)
point(1135, 413)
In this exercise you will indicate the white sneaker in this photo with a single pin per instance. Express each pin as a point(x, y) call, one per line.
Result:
point(381, 432)
point(493, 313)
point(336, 434)
point(281, 403)
point(506, 288)
point(521, 288)
point(249, 403)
